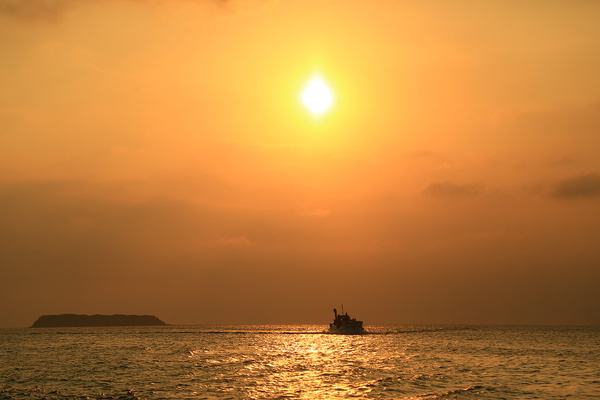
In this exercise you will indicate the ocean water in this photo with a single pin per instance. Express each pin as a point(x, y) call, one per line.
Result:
point(300, 362)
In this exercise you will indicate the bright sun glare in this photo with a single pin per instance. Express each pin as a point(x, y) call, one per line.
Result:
point(317, 96)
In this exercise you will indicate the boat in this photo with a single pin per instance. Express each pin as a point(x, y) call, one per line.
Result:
point(344, 325)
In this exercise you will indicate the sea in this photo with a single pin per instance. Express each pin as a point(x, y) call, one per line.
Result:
point(301, 362)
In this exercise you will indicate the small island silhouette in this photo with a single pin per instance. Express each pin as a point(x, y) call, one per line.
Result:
point(81, 320)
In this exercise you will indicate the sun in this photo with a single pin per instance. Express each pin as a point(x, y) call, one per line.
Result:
point(317, 96)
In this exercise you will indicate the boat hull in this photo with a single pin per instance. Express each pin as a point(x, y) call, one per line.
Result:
point(347, 329)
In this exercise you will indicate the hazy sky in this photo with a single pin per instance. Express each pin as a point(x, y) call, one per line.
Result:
point(155, 158)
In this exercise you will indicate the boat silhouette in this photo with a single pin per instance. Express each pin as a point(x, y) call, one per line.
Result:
point(344, 325)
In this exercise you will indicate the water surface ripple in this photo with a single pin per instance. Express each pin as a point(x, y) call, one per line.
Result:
point(300, 362)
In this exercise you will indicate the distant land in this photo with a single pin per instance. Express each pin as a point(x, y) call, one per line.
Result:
point(80, 320)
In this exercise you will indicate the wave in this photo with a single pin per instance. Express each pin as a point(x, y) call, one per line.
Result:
point(55, 394)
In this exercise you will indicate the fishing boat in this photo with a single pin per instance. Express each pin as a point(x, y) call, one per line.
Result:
point(344, 325)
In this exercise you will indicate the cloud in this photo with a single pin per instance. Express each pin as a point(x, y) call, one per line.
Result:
point(53, 10)
point(448, 189)
point(229, 242)
point(34, 10)
point(587, 185)
point(320, 212)
point(421, 154)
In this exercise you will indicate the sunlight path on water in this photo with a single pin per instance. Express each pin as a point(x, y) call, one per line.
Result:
point(300, 362)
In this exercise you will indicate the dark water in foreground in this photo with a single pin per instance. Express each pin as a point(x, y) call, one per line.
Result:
point(299, 362)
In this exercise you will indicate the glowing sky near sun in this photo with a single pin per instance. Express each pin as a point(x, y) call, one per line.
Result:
point(158, 158)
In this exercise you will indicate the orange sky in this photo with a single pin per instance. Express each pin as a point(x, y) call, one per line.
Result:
point(155, 158)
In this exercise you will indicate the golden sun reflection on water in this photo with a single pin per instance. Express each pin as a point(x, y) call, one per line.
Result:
point(310, 366)
point(408, 363)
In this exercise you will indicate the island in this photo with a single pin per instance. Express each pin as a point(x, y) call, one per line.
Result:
point(80, 320)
